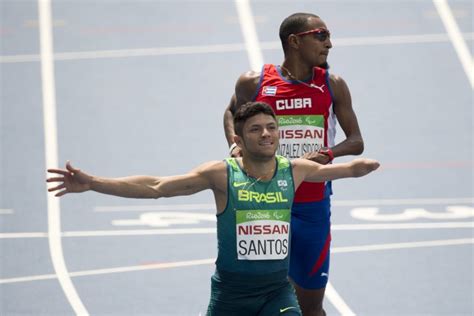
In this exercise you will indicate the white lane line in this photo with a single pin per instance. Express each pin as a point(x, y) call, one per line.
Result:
point(400, 226)
point(212, 207)
point(154, 266)
point(148, 208)
point(210, 230)
point(405, 245)
point(337, 301)
point(51, 155)
point(456, 38)
point(364, 248)
point(229, 48)
point(177, 231)
point(145, 267)
point(386, 202)
point(6, 211)
point(249, 31)
point(23, 235)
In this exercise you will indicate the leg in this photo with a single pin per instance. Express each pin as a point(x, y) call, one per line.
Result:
point(309, 256)
point(311, 300)
point(282, 302)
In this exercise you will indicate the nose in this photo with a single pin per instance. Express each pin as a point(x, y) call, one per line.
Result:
point(266, 132)
point(328, 43)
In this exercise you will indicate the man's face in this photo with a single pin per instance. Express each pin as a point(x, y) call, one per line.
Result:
point(260, 136)
point(314, 47)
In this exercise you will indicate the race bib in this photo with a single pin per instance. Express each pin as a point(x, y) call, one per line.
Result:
point(262, 234)
point(300, 134)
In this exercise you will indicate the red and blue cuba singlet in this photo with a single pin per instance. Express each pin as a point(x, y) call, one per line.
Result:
point(305, 118)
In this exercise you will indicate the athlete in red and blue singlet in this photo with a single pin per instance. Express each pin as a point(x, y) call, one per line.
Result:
point(307, 100)
point(307, 124)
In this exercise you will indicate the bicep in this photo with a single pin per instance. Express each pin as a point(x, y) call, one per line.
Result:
point(186, 184)
point(198, 179)
point(343, 107)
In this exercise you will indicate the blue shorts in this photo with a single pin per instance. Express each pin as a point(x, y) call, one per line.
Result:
point(310, 244)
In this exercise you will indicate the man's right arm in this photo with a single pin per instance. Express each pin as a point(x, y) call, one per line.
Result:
point(210, 175)
point(245, 89)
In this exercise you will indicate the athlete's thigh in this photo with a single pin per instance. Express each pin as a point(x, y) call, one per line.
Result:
point(230, 301)
point(310, 253)
point(281, 302)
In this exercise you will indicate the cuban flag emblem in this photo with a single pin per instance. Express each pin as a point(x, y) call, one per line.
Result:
point(269, 90)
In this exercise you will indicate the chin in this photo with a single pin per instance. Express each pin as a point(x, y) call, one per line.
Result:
point(324, 65)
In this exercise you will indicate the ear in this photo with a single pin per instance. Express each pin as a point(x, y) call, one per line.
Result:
point(293, 41)
point(238, 140)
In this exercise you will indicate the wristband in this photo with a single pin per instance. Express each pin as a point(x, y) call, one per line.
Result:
point(231, 148)
point(328, 152)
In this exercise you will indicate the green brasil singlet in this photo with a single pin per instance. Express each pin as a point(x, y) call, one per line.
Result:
point(253, 231)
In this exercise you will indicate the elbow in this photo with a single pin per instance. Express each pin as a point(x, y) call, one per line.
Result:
point(358, 147)
point(156, 192)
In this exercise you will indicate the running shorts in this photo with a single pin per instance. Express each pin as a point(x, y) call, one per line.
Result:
point(310, 244)
point(236, 295)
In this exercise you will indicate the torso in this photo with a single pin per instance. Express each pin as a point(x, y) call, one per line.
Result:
point(305, 117)
point(253, 230)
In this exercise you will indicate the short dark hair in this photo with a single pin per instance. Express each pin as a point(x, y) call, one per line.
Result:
point(293, 24)
point(248, 110)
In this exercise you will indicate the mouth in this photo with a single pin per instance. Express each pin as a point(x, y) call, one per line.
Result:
point(325, 53)
point(266, 143)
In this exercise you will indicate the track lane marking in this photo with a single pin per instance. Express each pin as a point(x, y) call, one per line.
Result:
point(51, 155)
point(229, 48)
point(205, 261)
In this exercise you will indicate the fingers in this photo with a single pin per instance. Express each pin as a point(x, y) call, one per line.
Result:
point(71, 168)
point(59, 171)
point(58, 187)
point(56, 179)
point(61, 193)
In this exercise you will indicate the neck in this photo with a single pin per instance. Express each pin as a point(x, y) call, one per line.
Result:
point(296, 70)
point(262, 169)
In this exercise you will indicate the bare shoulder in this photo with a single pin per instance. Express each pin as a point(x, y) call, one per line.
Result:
point(211, 167)
point(337, 82)
point(250, 75)
point(246, 86)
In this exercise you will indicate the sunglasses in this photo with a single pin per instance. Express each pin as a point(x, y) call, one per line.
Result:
point(319, 34)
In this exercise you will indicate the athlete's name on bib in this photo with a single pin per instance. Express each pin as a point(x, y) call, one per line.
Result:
point(290, 104)
point(267, 249)
point(269, 197)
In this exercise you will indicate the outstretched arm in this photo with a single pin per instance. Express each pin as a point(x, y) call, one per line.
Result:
point(310, 171)
point(73, 180)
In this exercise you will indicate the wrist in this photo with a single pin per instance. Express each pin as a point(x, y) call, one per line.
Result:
point(231, 148)
point(328, 152)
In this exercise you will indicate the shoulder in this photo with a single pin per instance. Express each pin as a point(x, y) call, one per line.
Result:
point(212, 169)
point(336, 80)
point(338, 86)
point(249, 79)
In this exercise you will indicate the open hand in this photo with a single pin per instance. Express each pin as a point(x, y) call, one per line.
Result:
point(71, 180)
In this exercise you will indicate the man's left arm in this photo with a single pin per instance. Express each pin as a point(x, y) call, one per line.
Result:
point(310, 171)
point(342, 104)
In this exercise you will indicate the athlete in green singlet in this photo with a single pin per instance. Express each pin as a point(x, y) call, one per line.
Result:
point(253, 196)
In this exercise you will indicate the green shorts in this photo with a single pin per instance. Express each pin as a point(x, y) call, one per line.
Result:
point(238, 294)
